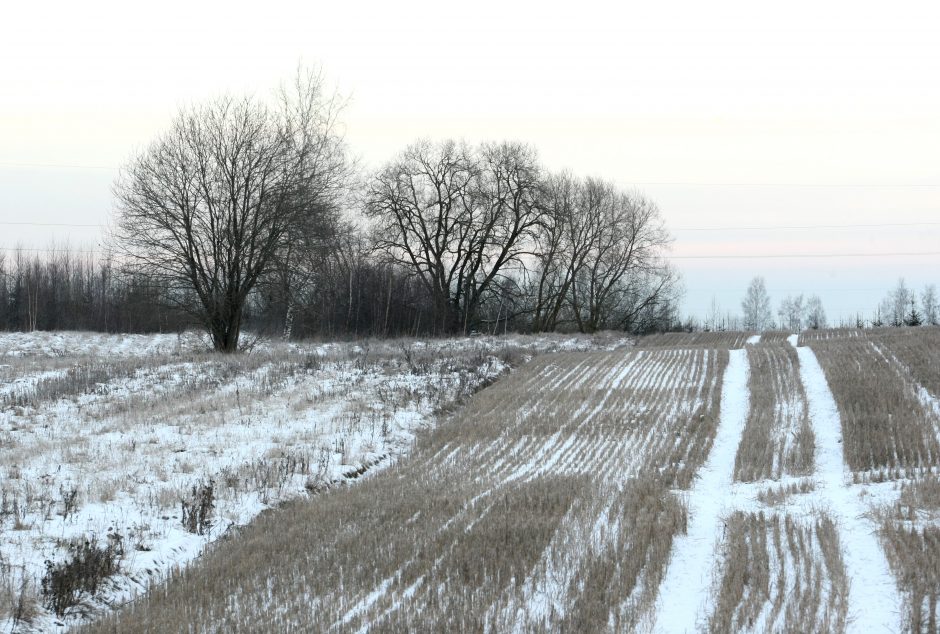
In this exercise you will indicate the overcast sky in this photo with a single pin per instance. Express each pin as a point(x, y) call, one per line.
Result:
point(732, 116)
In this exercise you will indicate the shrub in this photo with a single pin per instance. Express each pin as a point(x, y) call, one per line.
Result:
point(197, 510)
point(87, 566)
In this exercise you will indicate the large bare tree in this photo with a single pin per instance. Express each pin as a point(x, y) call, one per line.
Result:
point(599, 259)
point(624, 272)
point(222, 200)
point(458, 217)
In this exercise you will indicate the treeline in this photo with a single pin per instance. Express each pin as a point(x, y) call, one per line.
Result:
point(65, 289)
point(71, 289)
point(250, 213)
point(902, 306)
point(353, 294)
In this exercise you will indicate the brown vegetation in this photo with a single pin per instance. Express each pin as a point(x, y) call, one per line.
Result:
point(716, 339)
point(781, 576)
point(914, 554)
point(530, 490)
point(777, 439)
point(776, 495)
point(884, 424)
point(774, 336)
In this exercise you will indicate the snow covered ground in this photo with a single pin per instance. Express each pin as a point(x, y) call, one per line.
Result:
point(96, 445)
point(874, 602)
point(689, 591)
point(105, 438)
point(684, 597)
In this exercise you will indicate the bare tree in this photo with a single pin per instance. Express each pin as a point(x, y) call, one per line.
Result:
point(568, 230)
point(549, 279)
point(211, 207)
point(815, 313)
point(930, 305)
point(756, 306)
point(895, 306)
point(458, 217)
point(623, 271)
point(792, 313)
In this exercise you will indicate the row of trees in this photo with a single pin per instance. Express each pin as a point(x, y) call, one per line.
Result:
point(243, 206)
point(795, 313)
point(493, 238)
point(61, 288)
point(901, 307)
point(252, 213)
point(67, 289)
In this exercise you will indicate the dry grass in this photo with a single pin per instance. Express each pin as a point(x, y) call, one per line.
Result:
point(780, 576)
point(87, 445)
point(722, 340)
point(914, 554)
point(809, 337)
point(911, 537)
point(18, 597)
point(916, 349)
point(550, 485)
point(616, 585)
point(885, 426)
point(774, 496)
point(775, 336)
point(778, 439)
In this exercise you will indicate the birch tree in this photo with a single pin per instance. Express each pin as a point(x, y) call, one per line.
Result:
point(756, 306)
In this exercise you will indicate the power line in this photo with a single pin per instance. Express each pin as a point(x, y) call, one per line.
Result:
point(802, 255)
point(59, 166)
point(806, 185)
point(788, 290)
point(47, 250)
point(51, 224)
point(721, 228)
point(800, 227)
point(629, 183)
point(674, 257)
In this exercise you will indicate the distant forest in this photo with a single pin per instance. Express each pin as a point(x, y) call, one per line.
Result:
point(72, 290)
point(249, 214)
point(353, 295)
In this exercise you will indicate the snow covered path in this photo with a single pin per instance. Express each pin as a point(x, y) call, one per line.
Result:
point(684, 591)
point(684, 601)
point(874, 602)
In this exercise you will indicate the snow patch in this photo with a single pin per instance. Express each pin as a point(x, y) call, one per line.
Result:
point(874, 601)
point(683, 595)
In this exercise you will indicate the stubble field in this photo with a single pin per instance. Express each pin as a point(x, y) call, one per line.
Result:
point(703, 482)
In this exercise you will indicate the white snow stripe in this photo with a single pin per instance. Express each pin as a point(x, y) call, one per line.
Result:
point(874, 601)
point(684, 590)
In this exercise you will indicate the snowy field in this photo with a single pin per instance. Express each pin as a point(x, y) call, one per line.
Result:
point(705, 482)
point(150, 447)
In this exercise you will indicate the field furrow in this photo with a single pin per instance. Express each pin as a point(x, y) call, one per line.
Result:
point(523, 511)
point(777, 439)
point(684, 590)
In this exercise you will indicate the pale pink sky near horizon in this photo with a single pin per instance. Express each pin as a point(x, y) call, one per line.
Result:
point(727, 114)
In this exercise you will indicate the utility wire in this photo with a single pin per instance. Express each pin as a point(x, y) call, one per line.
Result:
point(62, 250)
point(59, 166)
point(673, 257)
point(805, 227)
point(801, 255)
point(51, 224)
point(625, 183)
point(806, 185)
point(721, 228)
